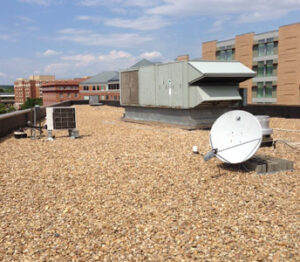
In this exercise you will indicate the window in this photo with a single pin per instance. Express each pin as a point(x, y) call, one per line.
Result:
point(94, 88)
point(86, 88)
point(254, 91)
point(268, 91)
point(75, 95)
point(223, 55)
point(229, 55)
point(226, 54)
point(68, 94)
point(261, 50)
point(61, 95)
point(274, 91)
point(97, 87)
point(260, 69)
point(113, 86)
point(269, 68)
point(260, 89)
point(264, 91)
point(270, 48)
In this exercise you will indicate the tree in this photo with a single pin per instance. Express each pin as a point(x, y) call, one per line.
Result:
point(6, 109)
point(2, 109)
point(10, 109)
point(31, 102)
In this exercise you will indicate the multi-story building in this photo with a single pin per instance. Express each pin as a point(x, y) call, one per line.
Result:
point(29, 88)
point(39, 81)
point(7, 98)
point(105, 85)
point(274, 55)
point(61, 90)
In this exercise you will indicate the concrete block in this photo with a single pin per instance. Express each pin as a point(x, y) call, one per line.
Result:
point(262, 164)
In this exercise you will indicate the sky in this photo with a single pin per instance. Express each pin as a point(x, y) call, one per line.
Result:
point(75, 38)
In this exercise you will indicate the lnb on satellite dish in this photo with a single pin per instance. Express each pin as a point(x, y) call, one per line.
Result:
point(235, 137)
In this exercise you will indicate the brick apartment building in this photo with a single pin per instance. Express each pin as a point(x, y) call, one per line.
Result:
point(61, 90)
point(105, 85)
point(275, 56)
point(30, 88)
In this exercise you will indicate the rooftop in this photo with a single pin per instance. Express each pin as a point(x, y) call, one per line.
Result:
point(56, 83)
point(127, 191)
point(141, 63)
point(101, 78)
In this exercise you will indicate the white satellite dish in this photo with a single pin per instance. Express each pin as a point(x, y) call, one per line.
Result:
point(235, 137)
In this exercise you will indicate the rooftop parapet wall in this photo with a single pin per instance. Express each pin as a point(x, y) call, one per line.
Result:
point(10, 122)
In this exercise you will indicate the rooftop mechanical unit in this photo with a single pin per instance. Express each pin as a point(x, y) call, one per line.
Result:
point(59, 118)
point(191, 94)
point(94, 101)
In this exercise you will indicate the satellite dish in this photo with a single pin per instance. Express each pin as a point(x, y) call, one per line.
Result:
point(235, 137)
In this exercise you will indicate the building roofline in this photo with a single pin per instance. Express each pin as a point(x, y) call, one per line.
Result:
point(289, 24)
point(246, 34)
point(209, 41)
point(272, 31)
point(230, 39)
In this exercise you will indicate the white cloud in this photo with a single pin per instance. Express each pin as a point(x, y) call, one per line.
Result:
point(90, 64)
point(2, 74)
point(136, 3)
point(90, 38)
point(141, 23)
point(25, 19)
point(59, 69)
point(90, 2)
point(213, 7)
point(81, 60)
point(113, 55)
point(95, 19)
point(38, 2)
point(261, 16)
point(218, 25)
point(49, 52)
point(5, 37)
point(151, 55)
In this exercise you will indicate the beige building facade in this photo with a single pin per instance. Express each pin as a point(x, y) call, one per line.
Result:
point(30, 88)
point(274, 55)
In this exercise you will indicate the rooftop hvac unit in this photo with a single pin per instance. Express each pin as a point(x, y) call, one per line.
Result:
point(94, 101)
point(192, 94)
point(59, 118)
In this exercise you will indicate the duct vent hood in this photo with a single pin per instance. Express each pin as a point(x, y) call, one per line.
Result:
point(215, 71)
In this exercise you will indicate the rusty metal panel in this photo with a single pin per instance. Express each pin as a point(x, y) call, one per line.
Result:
point(129, 87)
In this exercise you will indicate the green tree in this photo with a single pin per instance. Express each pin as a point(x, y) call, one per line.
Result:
point(6, 109)
point(2, 109)
point(10, 109)
point(31, 102)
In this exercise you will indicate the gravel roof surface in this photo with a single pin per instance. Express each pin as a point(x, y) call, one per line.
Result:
point(132, 192)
